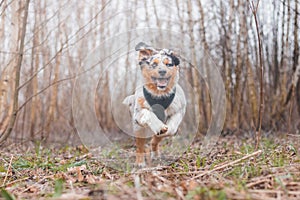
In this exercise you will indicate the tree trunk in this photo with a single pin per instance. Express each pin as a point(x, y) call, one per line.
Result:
point(17, 77)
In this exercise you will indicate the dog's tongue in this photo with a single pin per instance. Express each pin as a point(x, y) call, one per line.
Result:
point(162, 82)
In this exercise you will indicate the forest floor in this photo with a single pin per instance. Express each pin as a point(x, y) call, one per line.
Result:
point(233, 170)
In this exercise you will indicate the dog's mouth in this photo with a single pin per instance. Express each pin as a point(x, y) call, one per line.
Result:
point(161, 83)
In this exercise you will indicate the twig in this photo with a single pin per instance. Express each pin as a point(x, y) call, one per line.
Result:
point(249, 185)
point(149, 169)
point(280, 192)
point(15, 181)
point(161, 178)
point(179, 193)
point(43, 179)
point(184, 173)
point(9, 167)
point(228, 164)
point(233, 194)
point(293, 135)
point(137, 184)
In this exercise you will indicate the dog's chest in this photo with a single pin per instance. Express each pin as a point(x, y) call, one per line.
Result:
point(160, 106)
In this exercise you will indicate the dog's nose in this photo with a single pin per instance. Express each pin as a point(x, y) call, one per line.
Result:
point(162, 72)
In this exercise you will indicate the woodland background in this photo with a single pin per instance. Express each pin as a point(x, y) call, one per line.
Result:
point(49, 40)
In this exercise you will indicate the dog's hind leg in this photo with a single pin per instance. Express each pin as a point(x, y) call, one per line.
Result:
point(140, 148)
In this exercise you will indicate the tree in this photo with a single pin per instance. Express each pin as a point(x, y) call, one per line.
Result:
point(18, 65)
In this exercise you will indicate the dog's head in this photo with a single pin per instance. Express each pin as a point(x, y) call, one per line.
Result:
point(159, 68)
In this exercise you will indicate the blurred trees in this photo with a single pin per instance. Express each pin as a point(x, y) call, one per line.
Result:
point(61, 35)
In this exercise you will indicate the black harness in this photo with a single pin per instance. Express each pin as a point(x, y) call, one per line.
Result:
point(159, 104)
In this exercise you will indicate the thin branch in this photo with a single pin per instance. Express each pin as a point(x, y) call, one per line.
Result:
point(261, 106)
point(6, 6)
point(256, 153)
point(2, 1)
point(43, 90)
point(64, 46)
point(16, 181)
point(8, 170)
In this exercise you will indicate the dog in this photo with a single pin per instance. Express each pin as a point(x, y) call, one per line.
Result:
point(160, 104)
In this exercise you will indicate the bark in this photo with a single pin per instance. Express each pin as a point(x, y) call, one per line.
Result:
point(34, 104)
point(227, 56)
point(195, 73)
point(6, 108)
point(252, 93)
point(17, 76)
point(285, 46)
point(254, 8)
point(205, 93)
point(7, 78)
point(275, 51)
point(238, 73)
point(294, 86)
point(296, 56)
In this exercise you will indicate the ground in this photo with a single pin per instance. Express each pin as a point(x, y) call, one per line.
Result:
point(233, 170)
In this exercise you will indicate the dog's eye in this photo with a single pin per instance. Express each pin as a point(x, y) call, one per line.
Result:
point(154, 65)
point(169, 65)
point(143, 62)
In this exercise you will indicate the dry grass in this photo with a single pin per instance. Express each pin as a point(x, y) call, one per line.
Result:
point(233, 170)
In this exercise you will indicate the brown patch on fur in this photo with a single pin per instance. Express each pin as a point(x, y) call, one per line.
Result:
point(141, 102)
point(140, 147)
point(152, 88)
point(173, 73)
point(156, 61)
point(155, 144)
point(145, 53)
point(140, 150)
point(166, 61)
point(147, 73)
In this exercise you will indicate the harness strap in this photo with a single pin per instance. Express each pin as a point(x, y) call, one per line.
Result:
point(159, 104)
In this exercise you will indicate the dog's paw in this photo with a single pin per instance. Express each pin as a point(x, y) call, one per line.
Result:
point(140, 165)
point(155, 155)
point(140, 162)
point(162, 131)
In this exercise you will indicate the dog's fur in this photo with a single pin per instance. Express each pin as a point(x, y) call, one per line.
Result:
point(160, 70)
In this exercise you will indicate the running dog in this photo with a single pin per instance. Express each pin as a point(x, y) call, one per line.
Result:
point(160, 104)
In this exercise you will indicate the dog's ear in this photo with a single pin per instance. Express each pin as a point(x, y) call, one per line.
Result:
point(173, 55)
point(145, 51)
point(175, 59)
point(141, 45)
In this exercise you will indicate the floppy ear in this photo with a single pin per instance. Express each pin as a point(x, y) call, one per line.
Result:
point(174, 56)
point(145, 51)
point(175, 59)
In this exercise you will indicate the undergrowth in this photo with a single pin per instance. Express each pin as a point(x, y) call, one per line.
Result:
point(41, 172)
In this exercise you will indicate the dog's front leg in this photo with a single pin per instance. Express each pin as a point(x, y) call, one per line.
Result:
point(173, 124)
point(154, 146)
point(147, 118)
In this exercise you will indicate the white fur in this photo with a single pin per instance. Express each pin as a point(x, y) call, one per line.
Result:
point(144, 117)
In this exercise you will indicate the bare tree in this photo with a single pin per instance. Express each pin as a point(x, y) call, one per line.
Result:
point(254, 8)
point(17, 75)
point(62, 34)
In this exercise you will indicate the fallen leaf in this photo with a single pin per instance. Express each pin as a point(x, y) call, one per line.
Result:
point(90, 179)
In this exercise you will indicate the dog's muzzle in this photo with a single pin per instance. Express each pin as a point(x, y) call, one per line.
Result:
point(161, 83)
